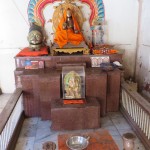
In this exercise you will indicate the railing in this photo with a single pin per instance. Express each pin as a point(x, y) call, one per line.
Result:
point(9, 119)
point(136, 109)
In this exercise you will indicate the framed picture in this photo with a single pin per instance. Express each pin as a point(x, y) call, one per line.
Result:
point(97, 60)
point(33, 64)
point(73, 82)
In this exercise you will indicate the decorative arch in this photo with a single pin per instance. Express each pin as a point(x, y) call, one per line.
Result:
point(35, 9)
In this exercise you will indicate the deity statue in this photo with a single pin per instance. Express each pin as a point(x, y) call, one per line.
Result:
point(68, 30)
point(69, 24)
point(35, 37)
point(72, 83)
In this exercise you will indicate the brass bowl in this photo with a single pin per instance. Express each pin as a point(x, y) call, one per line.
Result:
point(77, 142)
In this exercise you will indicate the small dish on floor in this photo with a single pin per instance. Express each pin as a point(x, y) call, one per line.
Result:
point(49, 146)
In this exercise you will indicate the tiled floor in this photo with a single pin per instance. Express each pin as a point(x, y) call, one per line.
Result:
point(35, 132)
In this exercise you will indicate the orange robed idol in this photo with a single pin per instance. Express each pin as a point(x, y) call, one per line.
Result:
point(63, 36)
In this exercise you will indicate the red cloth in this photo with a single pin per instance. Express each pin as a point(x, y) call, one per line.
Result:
point(74, 101)
point(62, 37)
point(27, 52)
point(99, 140)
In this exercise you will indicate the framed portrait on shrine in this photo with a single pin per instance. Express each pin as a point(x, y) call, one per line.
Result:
point(73, 82)
point(97, 60)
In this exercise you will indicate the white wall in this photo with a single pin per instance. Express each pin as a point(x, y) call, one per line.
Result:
point(143, 59)
point(121, 30)
point(122, 23)
point(13, 33)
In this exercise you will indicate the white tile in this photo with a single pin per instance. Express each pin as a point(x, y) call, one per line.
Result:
point(25, 143)
point(53, 137)
point(43, 123)
point(43, 133)
point(38, 146)
point(109, 127)
point(121, 123)
point(118, 140)
point(28, 130)
point(139, 146)
point(31, 121)
point(112, 131)
point(123, 131)
point(105, 121)
point(115, 114)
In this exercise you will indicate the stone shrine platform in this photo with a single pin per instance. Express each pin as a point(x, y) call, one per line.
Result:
point(75, 116)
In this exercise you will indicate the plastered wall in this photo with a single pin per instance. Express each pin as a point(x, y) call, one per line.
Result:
point(120, 30)
point(143, 52)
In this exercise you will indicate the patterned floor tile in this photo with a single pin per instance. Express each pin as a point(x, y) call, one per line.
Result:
point(37, 132)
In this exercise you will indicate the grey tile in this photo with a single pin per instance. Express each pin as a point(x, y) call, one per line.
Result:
point(118, 140)
point(24, 143)
point(121, 123)
point(53, 137)
point(112, 127)
point(115, 114)
point(38, 146)
point(139, 146)
point(39, 132)
point(123, 131)
point(43, 123)
point(28, 130)
point(113, 132)
point(105, 121)
point(44, 133)
point(31, 121)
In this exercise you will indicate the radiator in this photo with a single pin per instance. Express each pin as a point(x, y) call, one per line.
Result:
point(137, 111)
point(10, 126)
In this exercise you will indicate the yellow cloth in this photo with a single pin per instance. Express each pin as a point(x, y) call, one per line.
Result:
point(63, 36)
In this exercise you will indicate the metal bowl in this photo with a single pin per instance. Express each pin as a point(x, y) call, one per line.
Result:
point(77, 142)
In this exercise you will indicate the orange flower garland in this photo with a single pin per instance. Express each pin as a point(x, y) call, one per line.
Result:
point(104, 49)
point(101, 52)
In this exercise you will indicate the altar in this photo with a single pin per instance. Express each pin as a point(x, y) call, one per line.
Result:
point(43, 86)
point(68, 68)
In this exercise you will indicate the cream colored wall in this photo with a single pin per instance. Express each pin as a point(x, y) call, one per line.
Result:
point(143, 59)
point(121, 30)
point(13, 33)
point(122, 23)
